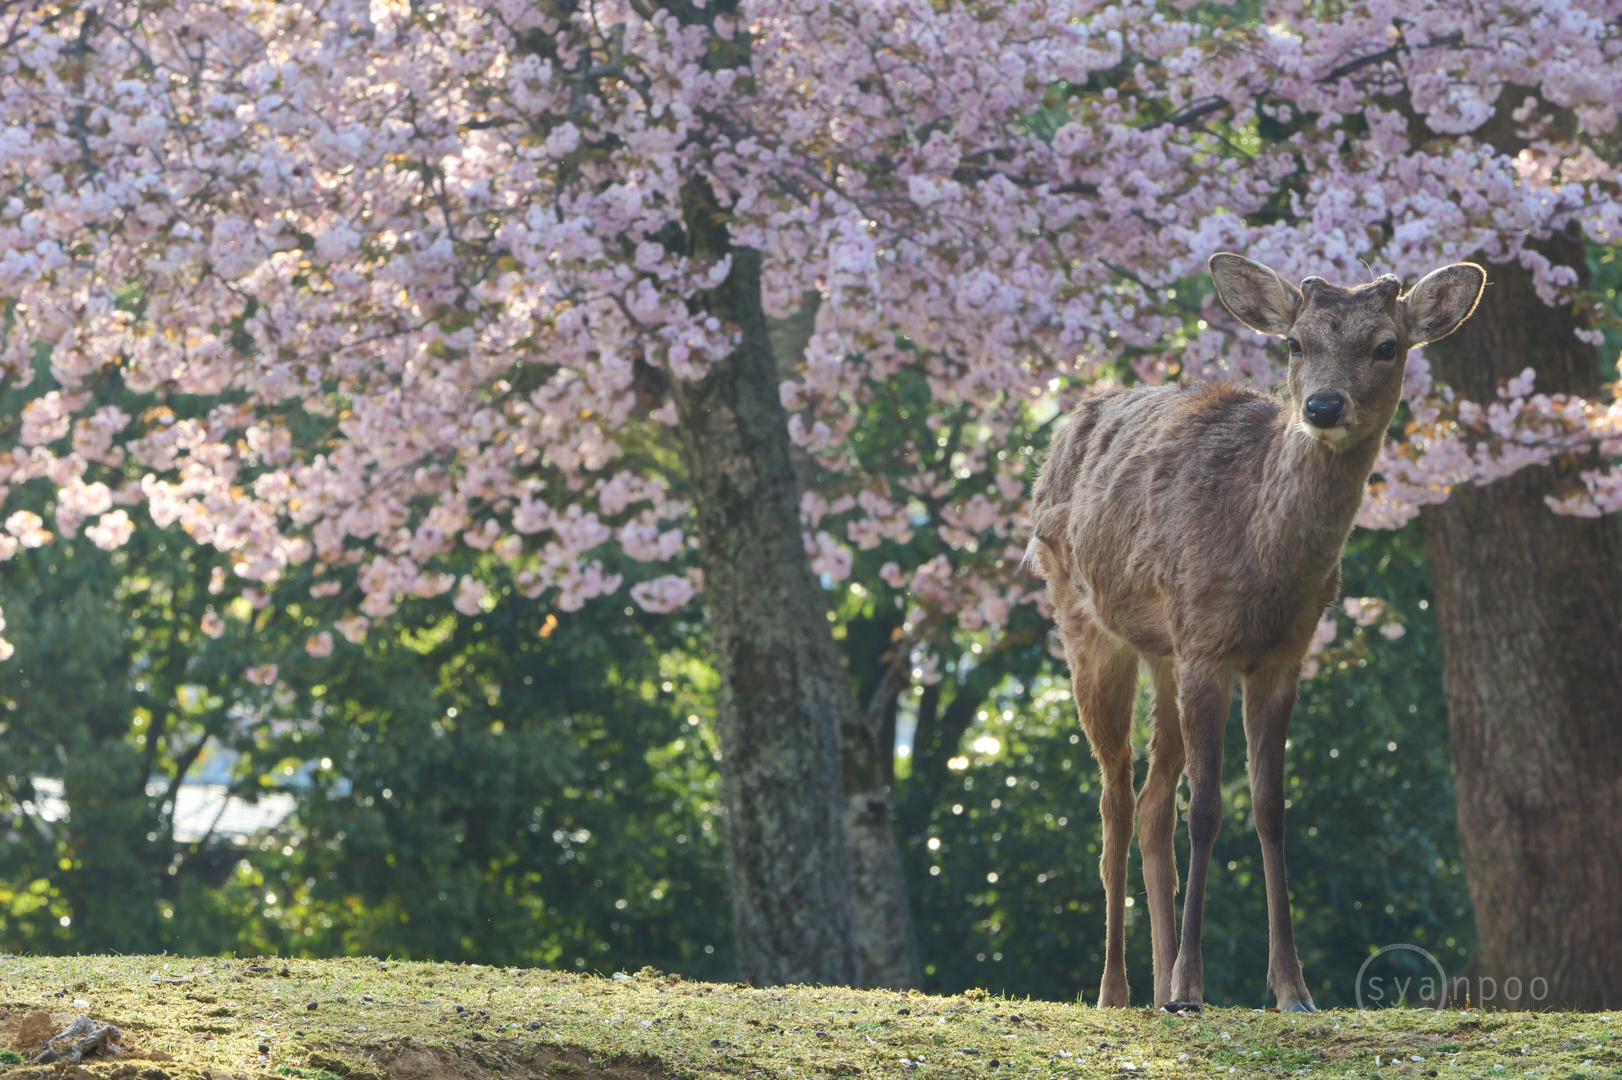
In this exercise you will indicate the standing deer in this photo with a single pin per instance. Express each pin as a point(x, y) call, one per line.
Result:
point(1199, 528)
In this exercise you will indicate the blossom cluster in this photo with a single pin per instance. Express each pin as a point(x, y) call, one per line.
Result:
point(361, 283)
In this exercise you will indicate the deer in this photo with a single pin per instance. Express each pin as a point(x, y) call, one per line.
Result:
point(1196, 529)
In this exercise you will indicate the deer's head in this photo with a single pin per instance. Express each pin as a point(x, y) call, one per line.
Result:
point(1347, 346)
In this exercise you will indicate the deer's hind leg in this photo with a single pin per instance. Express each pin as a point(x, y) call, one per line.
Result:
point(1157, 825)
point(1103, 676)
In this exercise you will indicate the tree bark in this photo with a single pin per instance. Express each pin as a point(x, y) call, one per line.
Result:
point(885, 938)
point(783, 691)
point(886, 943)
point(1529, 605)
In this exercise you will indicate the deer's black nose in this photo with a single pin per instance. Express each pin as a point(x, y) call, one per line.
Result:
point(1325, 408)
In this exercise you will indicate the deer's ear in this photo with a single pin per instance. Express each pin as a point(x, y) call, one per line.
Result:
point(1256, 294)
point(1441, 301)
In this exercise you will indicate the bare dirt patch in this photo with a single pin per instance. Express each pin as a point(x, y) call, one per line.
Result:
point(27, 1032)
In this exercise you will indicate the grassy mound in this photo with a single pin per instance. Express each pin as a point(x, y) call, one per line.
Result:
point(362, 1019)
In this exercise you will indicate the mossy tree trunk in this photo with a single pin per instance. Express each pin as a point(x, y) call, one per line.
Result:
point(784, 694)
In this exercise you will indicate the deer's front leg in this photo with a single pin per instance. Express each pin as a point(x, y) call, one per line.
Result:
point(1157, 826)
point(1202, 705)
point(1269, 701)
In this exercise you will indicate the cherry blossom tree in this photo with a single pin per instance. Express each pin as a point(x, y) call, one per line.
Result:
point(393, 278)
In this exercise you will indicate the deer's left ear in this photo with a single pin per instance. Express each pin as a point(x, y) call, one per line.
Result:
point(1441, 301)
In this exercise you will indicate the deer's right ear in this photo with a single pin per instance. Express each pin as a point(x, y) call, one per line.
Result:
point(1256, 294)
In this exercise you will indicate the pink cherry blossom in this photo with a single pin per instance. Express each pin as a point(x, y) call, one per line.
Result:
point(433, 240)
point(469, 595)
point(663, 594)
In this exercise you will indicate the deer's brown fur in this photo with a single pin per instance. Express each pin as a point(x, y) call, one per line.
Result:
point(1198, 528)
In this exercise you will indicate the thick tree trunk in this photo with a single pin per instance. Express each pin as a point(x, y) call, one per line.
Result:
point(886, 945)
point(1530, 609)
point(783, 692)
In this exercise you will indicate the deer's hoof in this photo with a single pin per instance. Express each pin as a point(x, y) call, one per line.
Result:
point(1299, 1006)
point(1113, 1001)
point(1182, 1007)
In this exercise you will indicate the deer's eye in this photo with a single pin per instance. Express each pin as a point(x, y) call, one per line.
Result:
point(1386, 350)
point(1295, 346)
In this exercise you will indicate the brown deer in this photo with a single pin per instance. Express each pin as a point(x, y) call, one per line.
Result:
point(1198, 528)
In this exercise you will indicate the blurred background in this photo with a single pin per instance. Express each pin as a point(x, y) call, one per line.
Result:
point(537, 787)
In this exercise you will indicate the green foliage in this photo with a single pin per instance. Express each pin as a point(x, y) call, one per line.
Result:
point(1605, 265)
point(468, 788)
point(511, 798)
point(111, 695)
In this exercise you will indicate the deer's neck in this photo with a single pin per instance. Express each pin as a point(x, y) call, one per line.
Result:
point(1310, 494)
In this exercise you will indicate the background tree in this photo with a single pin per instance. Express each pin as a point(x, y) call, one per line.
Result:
point(1530, 605)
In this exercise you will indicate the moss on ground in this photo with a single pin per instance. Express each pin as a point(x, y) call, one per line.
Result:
point(363, 1019)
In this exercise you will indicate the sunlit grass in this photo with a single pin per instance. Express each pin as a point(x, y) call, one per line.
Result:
point(358, 1017)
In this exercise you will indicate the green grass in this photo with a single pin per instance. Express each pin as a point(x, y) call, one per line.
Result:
point(208, 1019)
